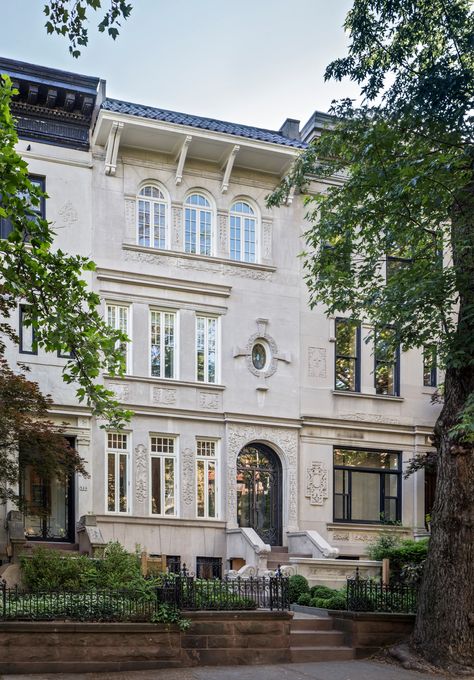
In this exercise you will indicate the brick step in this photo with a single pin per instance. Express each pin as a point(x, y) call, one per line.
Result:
point(312, 624)
point(304, 654)
point(321, 638)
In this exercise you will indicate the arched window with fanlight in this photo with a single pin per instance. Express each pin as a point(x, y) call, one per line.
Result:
point(152, 217)
point(197, 224)
point(243, 232)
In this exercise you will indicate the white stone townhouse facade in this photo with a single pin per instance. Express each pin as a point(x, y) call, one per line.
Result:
point(257, 421)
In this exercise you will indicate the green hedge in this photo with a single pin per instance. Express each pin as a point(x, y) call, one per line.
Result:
point(298, 585)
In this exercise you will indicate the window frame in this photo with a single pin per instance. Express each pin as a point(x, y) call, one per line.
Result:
point(207, 318)
point(128, 348)
point(382, 473)
point(254, 215)
point(167, 212)
point(21, 326)
point(395, 363)
point(206, 459)
point(433, 369)
point(215, 563)
point(356, 359)
point(162, 457)
point(175, 314)
point(116, 453)
point(211, 210)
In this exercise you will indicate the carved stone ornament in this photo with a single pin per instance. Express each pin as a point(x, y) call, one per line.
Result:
point(262, 337)
point(121, 391)
point(187, 472)
point(208, 401)
point(177, 215)
point(317, 362)
point(317, 483)
point(285, 441)
point(68, 215)
point(163, 395)
point(141, 467)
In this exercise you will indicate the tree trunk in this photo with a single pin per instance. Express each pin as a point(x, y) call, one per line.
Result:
point(444, 629)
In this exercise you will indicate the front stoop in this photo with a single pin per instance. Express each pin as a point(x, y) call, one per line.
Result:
point(314, 639)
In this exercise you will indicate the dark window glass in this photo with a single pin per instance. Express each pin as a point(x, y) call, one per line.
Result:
point(27, 333)
point(387, 363)
point(259, 356)
point(173, 564)
point(430, 366)
point(208, 567)
point(347, 375)
point(6, 226)
point(367, 486)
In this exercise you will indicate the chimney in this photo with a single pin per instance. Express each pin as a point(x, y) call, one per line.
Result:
point(290, 128)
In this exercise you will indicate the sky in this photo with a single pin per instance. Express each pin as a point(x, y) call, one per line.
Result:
point(256, 62)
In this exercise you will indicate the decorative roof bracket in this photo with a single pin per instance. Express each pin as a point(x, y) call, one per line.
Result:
point(113, 143)
point(291, 193)
point(182, 158)
point(229, 164)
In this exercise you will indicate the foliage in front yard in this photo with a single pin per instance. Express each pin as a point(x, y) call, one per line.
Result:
point(324, 598)
point(407, 557)
point(297, 586)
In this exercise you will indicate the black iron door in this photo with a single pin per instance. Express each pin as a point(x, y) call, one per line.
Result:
point(259, 492)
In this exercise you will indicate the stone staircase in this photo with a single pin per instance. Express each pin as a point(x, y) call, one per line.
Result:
point(313, 638)
point(280, 556)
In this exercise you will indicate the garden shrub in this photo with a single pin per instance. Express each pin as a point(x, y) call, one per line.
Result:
point(304, 599)
point(47, 570)
point(322, 591)
point(297, 586)
point(406, 556)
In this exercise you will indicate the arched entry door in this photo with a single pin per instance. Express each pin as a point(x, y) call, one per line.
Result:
point(259, 492)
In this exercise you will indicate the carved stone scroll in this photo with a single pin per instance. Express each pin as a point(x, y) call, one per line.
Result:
point(317, 483)
point(141, 468)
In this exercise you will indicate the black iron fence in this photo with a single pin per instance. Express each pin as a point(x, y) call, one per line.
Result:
point(180, 591)
point(364, 595)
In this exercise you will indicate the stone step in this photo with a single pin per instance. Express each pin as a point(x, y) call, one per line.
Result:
point(312, 624)
point(50, 545)
point(279, 548)
point(321, 638)
point(304, 654)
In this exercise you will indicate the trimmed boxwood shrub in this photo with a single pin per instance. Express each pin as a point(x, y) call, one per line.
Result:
point(322, 591)
point(304, 599)
point(297, 586)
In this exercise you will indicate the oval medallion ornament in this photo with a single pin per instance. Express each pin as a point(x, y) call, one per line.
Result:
point(259, 356)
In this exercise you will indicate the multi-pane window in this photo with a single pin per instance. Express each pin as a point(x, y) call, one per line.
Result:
point(430, 378)
point(387, 362)
point(118, 318)
point(347, 355)
point(197, 225)
point(27, 333)
point(36, 211)
point(367, 486)
point(163, 344)
point(208, 567)
point(117, 472)
point(206, 349)
point(152, 222)
point(206, 478)
point(243, 227)
point(163, 475)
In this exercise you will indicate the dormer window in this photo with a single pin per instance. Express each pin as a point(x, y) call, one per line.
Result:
point(243, 229)
point(152, 215)
point(198, 225)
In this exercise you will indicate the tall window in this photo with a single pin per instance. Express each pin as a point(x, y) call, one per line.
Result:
point(347, 355)
point(430, 378)
point(206, 349)
point(198, 225)
point(163, 475)
point(387, 363)
point(208, 567)
point(243, 226)
point(152, 218)
point(367, 486)
point(27, 333)
point(118, 318)
point(163, 344)
point(36, 211)
point(117, 472)
point(206, 478)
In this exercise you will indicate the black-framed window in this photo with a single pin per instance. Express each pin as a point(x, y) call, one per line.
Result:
point(430, 361)
point(6, 226)
point(395, 264)
point(208, 567)
point(26, 332)
point(173, 564)
point(367, 486)
point(387, 363)
point(65, 354)
point(347, 366)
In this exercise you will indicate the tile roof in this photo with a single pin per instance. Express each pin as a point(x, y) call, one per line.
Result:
point(248, 131)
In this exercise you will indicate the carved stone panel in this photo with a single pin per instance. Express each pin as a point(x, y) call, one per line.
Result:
point(130, 219)
point(121, 391)
point(177, 227)
point(209, 401)
point(163, 396)
point(141, 469)
point(285, 442)
point(317, 483)
point(187, 476)
point(317, 362)
point(266, 241)
point(68, 215)
point(223, 242)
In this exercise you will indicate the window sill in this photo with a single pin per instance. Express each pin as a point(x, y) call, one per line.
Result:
point(362, 526)
point(166, 381)
point(364, 395)
point(153, 520)
point(200, 258)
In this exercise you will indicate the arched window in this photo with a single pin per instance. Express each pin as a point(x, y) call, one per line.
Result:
point(243, 228)
point(152, 218)
point(198, 225)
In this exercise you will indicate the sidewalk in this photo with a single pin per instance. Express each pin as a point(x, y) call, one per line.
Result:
point(334, 670)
